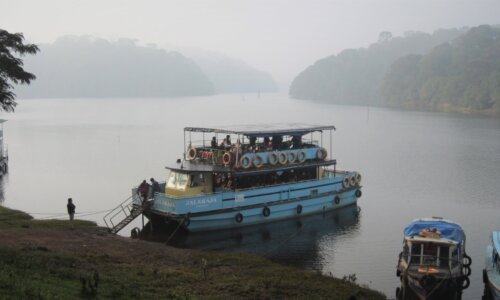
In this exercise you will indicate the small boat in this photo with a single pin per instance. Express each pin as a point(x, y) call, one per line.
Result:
point(271, 173)
point(433, 263)
point(491, 274)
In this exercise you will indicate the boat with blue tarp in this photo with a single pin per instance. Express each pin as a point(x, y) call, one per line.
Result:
point(239, 176)
point(491, 273)
point(433, 263)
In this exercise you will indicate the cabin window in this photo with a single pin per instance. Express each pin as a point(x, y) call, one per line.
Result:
point(444, 255)
point(177, 180)
point(415, 253)
point(197, 180)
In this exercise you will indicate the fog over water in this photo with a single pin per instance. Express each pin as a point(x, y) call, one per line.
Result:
point(414, 164)
point(281, 37)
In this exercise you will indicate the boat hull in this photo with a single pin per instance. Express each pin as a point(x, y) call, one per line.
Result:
point(261, 205)
point(492, 276)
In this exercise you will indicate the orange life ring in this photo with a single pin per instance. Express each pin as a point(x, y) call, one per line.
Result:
point(204, 154)
point(191, 153)
point(226, 158)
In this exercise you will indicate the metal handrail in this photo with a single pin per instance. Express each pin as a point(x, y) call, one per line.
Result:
point(117, 210)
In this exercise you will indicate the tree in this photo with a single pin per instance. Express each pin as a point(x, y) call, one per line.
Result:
point(11, 66)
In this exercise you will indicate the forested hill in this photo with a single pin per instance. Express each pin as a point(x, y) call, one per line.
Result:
point(463, 75)
point(231, 75)
point(90, 67)
point(355, 75)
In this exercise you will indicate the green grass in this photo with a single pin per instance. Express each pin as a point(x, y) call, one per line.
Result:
point(132, 269)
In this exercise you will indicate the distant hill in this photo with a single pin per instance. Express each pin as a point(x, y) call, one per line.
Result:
point(92, 67)
point(230, 75)
point(354, 76)
point(463, 75)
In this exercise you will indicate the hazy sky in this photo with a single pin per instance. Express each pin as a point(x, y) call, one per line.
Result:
point(279, 36)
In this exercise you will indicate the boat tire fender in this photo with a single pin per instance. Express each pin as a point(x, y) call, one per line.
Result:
point(465, 283)
point(283, 158)
point(358, 193)
point(258, 161)
point(321, 154)
point(358, 178)
point(134, 233)
point(238, 218)
point(191, 153)
point(466, 271)
point(352, 180)
point(245, 161)
point(266, 211)
point(467, 260)
point(336, 200)
point(345, 182)
point(301, 156)
point(292, 157)
point(226, 158)
point(273, 158)
point(299, 209)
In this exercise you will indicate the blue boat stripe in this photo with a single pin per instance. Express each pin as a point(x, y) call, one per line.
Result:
point(294, 190)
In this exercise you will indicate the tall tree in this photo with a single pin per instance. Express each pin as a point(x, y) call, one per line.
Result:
point(11, 66)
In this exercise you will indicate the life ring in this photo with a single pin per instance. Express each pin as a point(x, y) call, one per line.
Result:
point(245, 161)
point(465, 283)
point(191, 153)
point(266, 211)
point(292, 157)
point(209, 154)
point(358, 193)
point(352, 181)
point(226, 158)
point(238, 218)
point(301, 156)
point(336, 200)
point(273, 158)
point(467, 260)
point(258, 161)
point(345, 182)
point(321, 154)
point(358, 178)
point(299, 209)
point(282, 158)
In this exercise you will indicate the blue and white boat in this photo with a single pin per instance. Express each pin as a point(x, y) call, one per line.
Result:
point(263, 175)
point(491, 274)
point(433, 264)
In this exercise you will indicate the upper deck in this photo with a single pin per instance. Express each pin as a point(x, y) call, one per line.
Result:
point(254, 149)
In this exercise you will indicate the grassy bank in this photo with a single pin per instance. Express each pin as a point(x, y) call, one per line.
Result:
point(51, 259)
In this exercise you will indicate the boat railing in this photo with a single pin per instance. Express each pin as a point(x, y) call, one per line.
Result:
point(122, 211)
point(431, 261)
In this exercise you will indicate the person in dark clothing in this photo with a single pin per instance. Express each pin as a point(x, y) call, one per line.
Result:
point(71, 209)
point(214, 142)
point(155, 187)
point(143, 190)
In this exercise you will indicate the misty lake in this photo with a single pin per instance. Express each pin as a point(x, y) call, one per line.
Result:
point(414, 164)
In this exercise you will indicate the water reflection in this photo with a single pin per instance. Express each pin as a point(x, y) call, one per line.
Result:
point(294, 241)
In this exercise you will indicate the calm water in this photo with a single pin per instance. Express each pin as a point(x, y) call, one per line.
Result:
point(414, 164)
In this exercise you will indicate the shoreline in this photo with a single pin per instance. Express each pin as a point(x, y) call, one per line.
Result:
point(57, 259)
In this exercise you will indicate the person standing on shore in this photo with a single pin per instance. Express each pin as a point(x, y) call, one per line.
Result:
point(71, 209)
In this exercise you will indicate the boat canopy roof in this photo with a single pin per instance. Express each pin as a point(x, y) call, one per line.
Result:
point(448, 229)
point(495, 239)
point(295, 129)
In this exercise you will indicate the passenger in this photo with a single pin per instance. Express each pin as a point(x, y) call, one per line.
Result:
point(228, 139)
point(252, 141)
point(71, 209)
point(229, 182)
point(143, 191)
point(296, 142)
point(155, 187)
point(214, 142)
